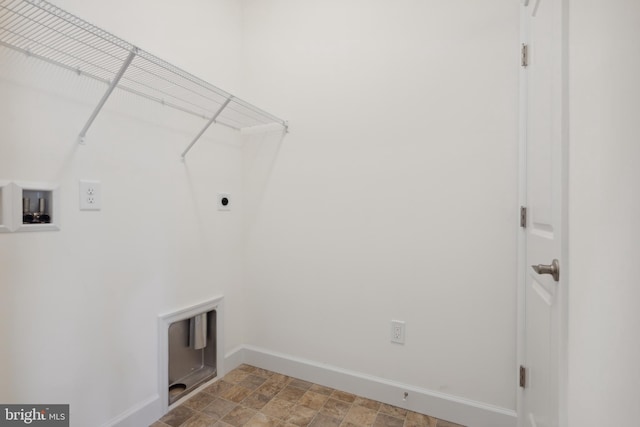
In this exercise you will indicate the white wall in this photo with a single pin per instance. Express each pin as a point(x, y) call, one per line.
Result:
point(604, 343)
point(395, 194)
point(79, 306)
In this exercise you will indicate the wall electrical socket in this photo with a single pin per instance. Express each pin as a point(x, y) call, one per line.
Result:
point(90, 195)
point(397, 331)
point(224, 201)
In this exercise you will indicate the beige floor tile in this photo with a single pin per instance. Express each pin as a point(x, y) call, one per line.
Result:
point(218, 387)
point(199, 401)
point(177, 416)
point(320, 389)
point(235, 376)
point(290, 394)
point(414, 419)
point(300, 384)
point(384, 420)
point(343, 396)
point(301, 416)
point(361, 416)
point(322, 420)
point(236, 394)
point(255, 397)
point(278, 408)
point(313, 400)
point(252, 382)
point(367, 403)
point(200, 420)
point(270, 389)
point(219, 408)
point(262, 420)
point(394, 411)
point(239, 416)
point(255, 401)
point(335, 408)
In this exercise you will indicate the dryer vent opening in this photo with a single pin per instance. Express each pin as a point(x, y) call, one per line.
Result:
point(192, 354)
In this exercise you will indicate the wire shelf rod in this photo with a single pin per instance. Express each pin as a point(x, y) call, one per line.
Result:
point(112, 86)
point(209, 123)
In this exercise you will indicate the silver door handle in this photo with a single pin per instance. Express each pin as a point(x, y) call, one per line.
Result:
point(553, 269)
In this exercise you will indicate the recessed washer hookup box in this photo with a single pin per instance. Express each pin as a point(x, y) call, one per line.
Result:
point(34, 415)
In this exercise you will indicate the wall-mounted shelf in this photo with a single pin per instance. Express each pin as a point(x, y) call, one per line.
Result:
point(41, 30)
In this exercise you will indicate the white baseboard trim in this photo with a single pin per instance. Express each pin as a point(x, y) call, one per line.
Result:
point(440, 405)
point(233, 359)
point(144, 413)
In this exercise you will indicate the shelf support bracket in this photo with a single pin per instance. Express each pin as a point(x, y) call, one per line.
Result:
point(209, 123)
point(106, 95)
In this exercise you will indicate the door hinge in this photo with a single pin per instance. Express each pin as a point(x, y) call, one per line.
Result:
point(523, 217)
point(524, 55)
point(523, 376)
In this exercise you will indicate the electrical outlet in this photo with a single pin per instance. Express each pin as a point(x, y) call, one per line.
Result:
point(224, 201)
point(90, 193)
point(397, 331)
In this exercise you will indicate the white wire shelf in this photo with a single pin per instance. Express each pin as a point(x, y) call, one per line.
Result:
point(41, 30)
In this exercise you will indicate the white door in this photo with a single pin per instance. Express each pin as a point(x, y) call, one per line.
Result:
point(543, 138)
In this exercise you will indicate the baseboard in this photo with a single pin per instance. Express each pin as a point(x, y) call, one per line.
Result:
point(143, 414)
point(233, 359)
point(440, 405)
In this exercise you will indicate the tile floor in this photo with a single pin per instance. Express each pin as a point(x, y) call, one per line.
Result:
point(254, 397)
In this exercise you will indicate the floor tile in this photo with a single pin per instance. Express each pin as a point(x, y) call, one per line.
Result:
point(254, 397)
point(239, 416)
point(252, 382)
point(343, 396)
point(300, 384)
point(394, 411)
point(236, 394)
point(219, 408)
point(218, 387)
point(414, 419)
point(320, 389)
point(255, 401)
point(384, 420)
point(360, 416)
point(262, 420)
point(335, 408)
point(270, 389)
point(313, 400)
point(290, 394)
point(301, 416)
point(278, 408)
point(199, 420)
point(177, 416)
point(322, 420)
point(367, 403)
point(199, 401)
point(235, 376)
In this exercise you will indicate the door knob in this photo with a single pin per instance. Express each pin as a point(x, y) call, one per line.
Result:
point(553, 269)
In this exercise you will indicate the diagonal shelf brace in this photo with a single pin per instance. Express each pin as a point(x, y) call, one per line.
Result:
point(209, 123)
point(106, 95)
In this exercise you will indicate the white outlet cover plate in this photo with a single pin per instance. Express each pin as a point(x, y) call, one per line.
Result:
point(90, 195)
point(397, 331)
